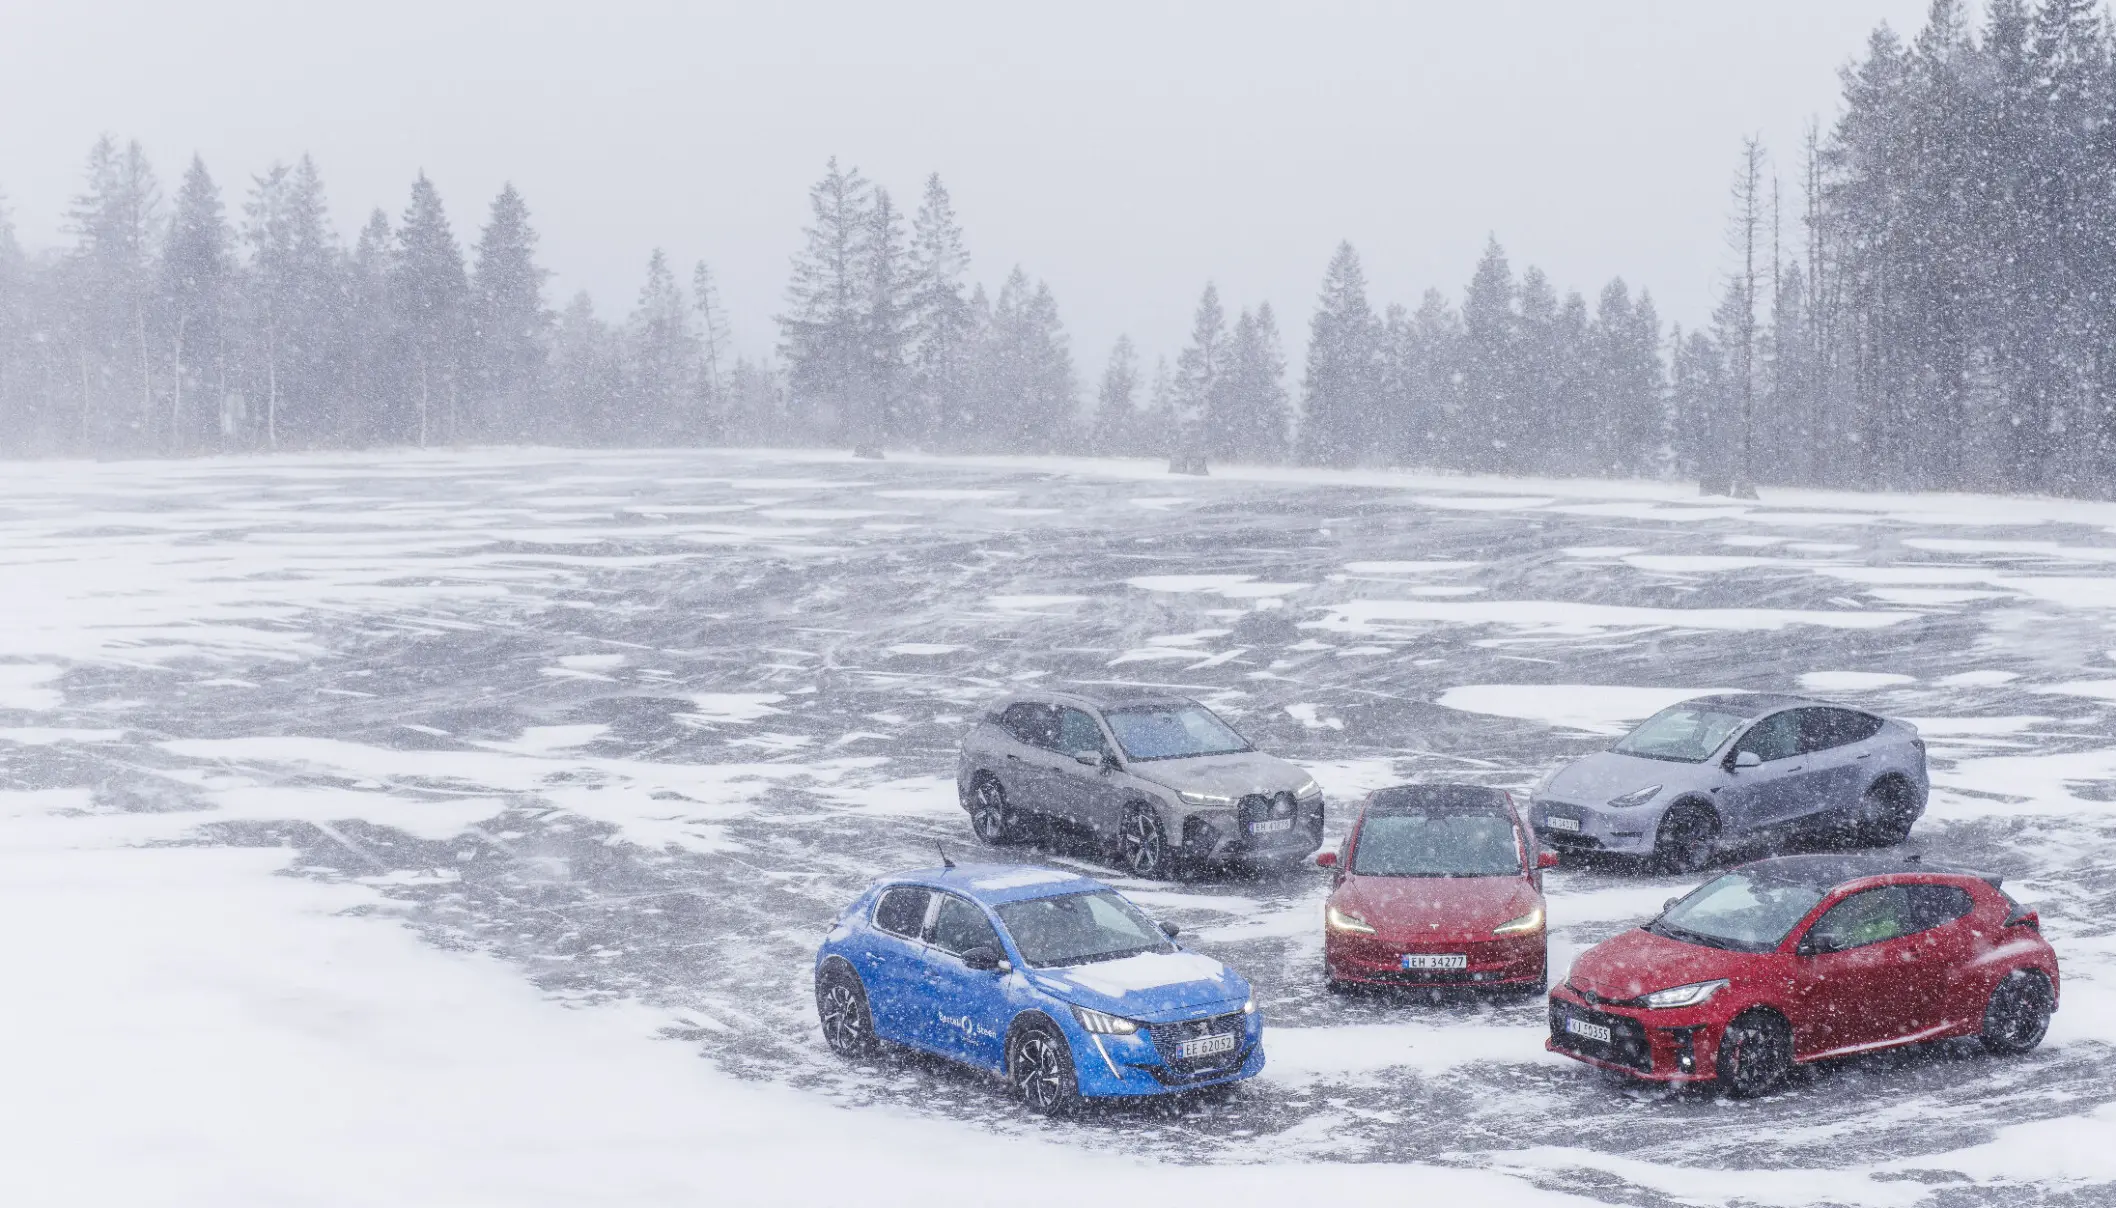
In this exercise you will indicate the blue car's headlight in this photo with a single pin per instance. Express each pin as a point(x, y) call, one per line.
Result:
point(1107, 1025)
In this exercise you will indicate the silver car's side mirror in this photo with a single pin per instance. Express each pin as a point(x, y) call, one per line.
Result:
point(1747, 759)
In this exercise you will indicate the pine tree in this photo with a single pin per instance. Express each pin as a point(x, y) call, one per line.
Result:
point(887, 331)
point(292, 291)
point(431, 295)
point(1490, 368)
point(1340, 406)
point(508, 324)
point(824, 330)
point(1194, 398)
point(114, 220)
point(942, 322)
point(376, 389)
point(17, 421)
point(1253, 410)
point(1117, 421)
point(660, 353)
point(192, 305)
point(715, 352)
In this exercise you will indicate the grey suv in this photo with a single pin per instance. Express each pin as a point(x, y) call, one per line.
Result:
point(1161, 780)
point(1720, 768)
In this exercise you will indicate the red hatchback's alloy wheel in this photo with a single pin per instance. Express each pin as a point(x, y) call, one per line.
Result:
point(1754, 1054)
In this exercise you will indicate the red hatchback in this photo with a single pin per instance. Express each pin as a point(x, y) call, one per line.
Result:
point(1805, 958)
point(1437, 885)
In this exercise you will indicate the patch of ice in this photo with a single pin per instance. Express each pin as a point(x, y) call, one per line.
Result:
point(1305, 714)
point(918, 648)
point(1696, 564)
point(1978, 679)
point(1407, 568)
point(1031, 604)
point(45, 736)
point(944, 494)
point(1355, 1054)
point(1853, 681)
point(1595, 708)
point(1566, 617)
point(22, 686)
point(1485, 503)
point(543, 740)
point(1599, 551)
point(909, 797)
point(733, 708)
point(1237, 587)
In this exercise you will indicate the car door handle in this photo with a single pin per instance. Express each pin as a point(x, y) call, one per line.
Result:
point(1014, 758)
point(1868, 755)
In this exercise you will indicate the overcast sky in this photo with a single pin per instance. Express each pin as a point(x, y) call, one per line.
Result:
point(1126, 152)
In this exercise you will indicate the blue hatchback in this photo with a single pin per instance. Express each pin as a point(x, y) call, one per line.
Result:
point(1049, 979)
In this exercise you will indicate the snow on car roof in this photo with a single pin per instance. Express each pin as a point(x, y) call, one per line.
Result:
point(996, 883)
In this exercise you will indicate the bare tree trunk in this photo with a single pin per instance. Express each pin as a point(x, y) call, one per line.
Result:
point(176, 387)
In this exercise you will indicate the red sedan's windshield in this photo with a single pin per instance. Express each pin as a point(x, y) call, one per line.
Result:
point(1737, 911)
point(1437, 845)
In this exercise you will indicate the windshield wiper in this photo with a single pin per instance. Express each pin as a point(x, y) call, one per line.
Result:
point(1686, 936)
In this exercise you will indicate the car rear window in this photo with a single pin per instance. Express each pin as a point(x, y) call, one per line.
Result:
point(902, 910)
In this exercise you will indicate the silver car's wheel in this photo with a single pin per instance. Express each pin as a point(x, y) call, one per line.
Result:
point(1142, 842)
point(1686, 840)
point(1887, 812)
point(989, 816)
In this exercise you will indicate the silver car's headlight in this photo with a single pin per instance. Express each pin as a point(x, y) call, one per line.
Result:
point(1204, 798)
point(1635, 797)
point(1694, 994)
point(1308, 788)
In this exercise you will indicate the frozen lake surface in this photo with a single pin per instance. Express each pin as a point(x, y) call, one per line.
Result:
point(478, 814)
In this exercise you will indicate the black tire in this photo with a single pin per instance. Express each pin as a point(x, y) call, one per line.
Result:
point(841, 1006)
point(990, 815)
point(2018, 1015)
point(1887, 812)
point(1142, 844)
point(1685, 841)
point(1755, 1054)
point(1040, 1069)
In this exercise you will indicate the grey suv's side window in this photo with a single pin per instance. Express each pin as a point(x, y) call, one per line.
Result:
point(1775, 737)
point(1078, 732)
point(1032, 723)
point(902, 910)
point(1825, 729)
point(961, 926)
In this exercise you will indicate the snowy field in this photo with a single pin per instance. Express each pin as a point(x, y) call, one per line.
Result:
point(458, 828)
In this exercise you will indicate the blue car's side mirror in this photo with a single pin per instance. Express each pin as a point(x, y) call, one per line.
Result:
point(984, 958)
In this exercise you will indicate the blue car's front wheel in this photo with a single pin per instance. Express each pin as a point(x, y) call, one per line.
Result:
point(1040, 1068)
point(841, 1005)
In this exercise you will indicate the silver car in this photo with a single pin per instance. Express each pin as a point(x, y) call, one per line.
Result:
point(1160, 780)
point(1717, 769)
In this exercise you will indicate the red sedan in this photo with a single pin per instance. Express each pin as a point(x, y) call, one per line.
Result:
point(1805, 958)
point(1436, 885)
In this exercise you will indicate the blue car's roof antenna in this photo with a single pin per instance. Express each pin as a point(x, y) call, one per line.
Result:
point(945, 862)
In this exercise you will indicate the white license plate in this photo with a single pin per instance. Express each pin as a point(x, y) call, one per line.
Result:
point(1206, 1046)
point(1592, 1031)
point(1271, 827)
point(1435, 960)
point(1563, 824)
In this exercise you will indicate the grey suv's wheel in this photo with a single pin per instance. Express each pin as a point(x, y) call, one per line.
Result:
point(1040, 1069)
point(2018, 1014)
point(1142, 843)
point(1887, 811)
point(1755, 1052)
point(990, 816)
point(1684, 843)
point(841, 1004)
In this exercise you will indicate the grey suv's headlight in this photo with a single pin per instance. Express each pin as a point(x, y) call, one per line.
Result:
point(1107, 1025)
point(1635, 797)
point(1691, 995)
point(1204, 798)
point(1308, 788)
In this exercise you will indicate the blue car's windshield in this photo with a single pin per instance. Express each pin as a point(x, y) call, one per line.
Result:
point(1681, 734)
point(1437, 845)
point(1173, 732)
point(1076, 928)
point(1738, 912)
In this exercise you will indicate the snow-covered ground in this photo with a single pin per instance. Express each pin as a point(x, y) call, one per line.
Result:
point(457, 828)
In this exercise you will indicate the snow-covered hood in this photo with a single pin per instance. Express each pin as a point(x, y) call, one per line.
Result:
point(1151, 985)
point(1235, 775)
point(1598, 777)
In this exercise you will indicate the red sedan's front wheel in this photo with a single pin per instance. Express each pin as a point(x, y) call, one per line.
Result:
point(1755, 1053)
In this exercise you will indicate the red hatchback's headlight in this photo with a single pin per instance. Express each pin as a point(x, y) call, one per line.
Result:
point(1693, 995)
